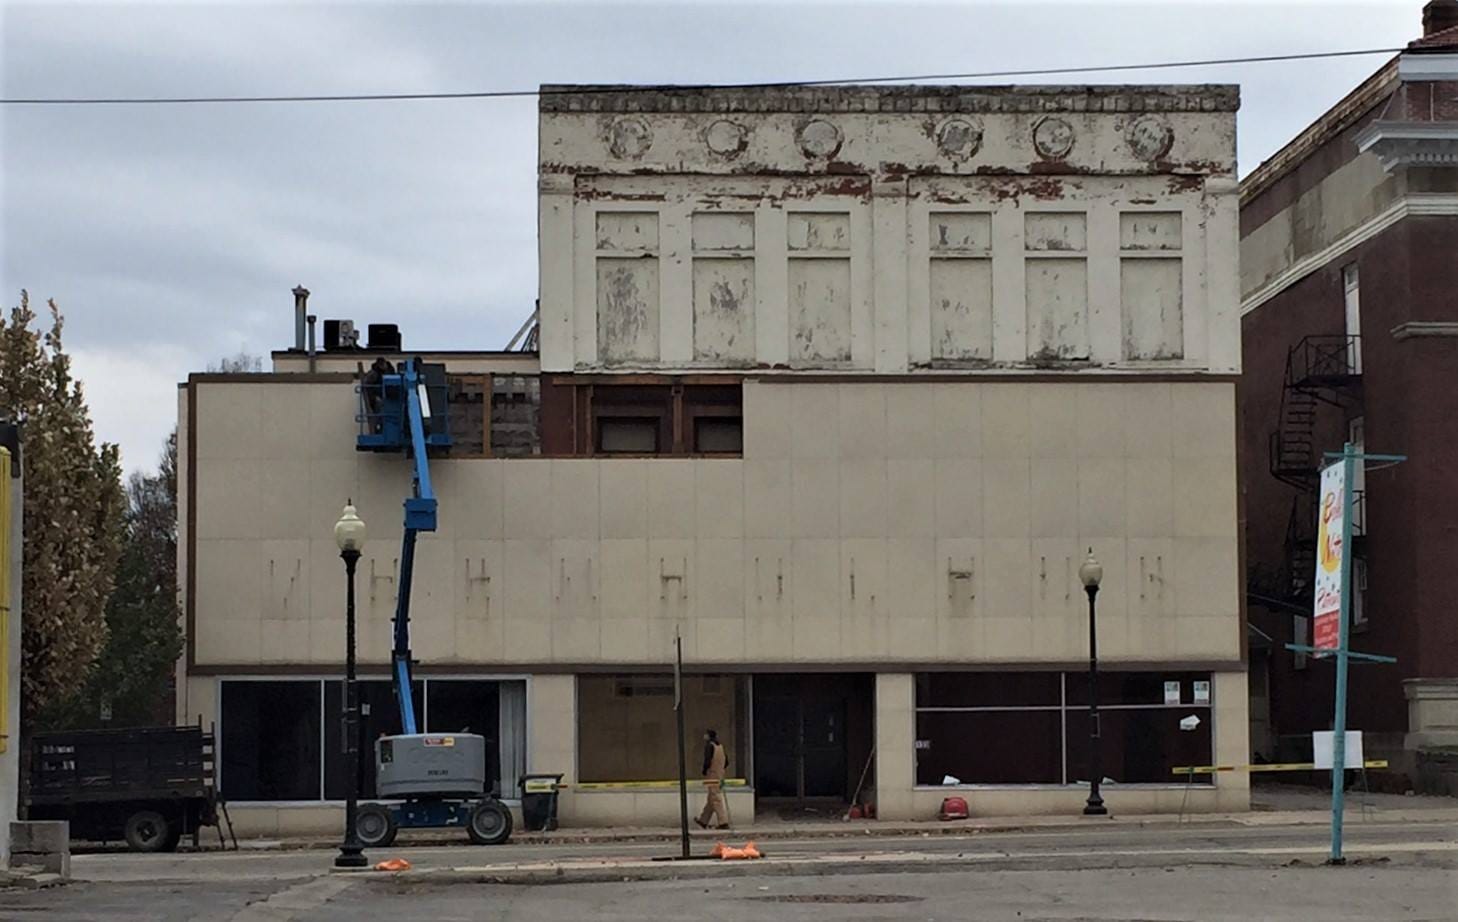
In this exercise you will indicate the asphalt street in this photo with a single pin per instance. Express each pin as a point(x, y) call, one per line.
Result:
point(1093, 872)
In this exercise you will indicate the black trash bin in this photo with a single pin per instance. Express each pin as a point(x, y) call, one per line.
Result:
point(539, 801)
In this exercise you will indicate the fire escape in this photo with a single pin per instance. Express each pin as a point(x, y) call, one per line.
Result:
point(1320, 371)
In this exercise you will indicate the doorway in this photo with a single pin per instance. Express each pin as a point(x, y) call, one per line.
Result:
point(812, 736)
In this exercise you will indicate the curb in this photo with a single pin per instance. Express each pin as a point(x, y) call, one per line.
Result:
point(891, 863)
point(587, 836)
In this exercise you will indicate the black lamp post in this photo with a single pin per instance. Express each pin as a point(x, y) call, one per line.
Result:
point(349, 534)
point(1091, 573)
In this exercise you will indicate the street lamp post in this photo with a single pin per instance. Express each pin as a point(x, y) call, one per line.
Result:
point(349, 534)
point(1091, 573)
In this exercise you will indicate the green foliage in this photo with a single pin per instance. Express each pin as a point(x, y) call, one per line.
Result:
point(144, 638)
point(73, 510)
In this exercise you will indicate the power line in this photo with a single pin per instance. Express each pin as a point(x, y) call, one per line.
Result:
point(508, 94)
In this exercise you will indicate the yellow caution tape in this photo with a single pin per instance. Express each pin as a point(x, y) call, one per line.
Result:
point(1277, 767)
point(655, 785)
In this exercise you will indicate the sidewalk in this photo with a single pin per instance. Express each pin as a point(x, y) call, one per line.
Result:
point(1274, 806)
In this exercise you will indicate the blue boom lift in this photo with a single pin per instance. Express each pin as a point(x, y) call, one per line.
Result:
point(435, 779)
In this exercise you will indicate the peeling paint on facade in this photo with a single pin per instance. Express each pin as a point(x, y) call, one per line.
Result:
point(889, 229)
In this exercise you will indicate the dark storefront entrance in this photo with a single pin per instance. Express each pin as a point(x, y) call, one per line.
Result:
point(812, 735)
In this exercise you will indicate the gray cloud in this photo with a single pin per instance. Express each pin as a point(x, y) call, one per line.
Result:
point(172, 235)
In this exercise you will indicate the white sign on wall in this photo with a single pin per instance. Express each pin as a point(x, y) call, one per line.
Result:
point(1326, 627)
point(1171, 693)
point(1202, 692)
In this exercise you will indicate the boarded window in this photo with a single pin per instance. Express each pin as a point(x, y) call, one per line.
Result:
point(627, 435)
point(721, 435)
point(1057, 292)
point(723, 279)
point(961, 286)
point(627, 286)
point(1056, 268)
point(1151, 283)
point(1056, 231)
point(626, 729)
point(1154, 320)
point(820, 287)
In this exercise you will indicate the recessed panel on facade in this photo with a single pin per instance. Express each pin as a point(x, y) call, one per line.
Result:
point(723, 285)
point(627, 286)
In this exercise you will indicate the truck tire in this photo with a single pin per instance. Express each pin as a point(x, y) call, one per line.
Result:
point(375, 825)
point(149, 831)
point(490, 823)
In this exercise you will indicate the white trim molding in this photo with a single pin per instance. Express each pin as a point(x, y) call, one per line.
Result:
point(1418, 204)
point(1427, 66)
point(1415, 329)
point(1401, 144)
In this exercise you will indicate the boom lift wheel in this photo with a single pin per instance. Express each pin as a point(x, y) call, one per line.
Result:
point(375, 825)
point(490, 823)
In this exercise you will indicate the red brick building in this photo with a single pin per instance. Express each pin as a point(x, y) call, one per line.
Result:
point(1349, 287)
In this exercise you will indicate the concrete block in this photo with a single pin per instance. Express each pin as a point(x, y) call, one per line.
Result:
point(40, 837)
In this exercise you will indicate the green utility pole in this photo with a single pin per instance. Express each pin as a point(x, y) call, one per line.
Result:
point(1348, 458)
point(1339, 719)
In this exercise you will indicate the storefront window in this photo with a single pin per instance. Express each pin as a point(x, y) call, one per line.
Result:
point(270, 740)
point(626, 726)
point(1033, 727)
point(279, 737)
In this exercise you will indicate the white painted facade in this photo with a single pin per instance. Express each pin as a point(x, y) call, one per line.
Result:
point(935, 233)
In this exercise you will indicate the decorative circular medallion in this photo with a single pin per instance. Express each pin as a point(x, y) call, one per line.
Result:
point(1052, 138)
point(820, 139)
point(726, 138)
point(959, 138)
point(1150, 137)
point(629, 138)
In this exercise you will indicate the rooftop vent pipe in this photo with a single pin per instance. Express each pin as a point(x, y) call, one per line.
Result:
point(301, 310)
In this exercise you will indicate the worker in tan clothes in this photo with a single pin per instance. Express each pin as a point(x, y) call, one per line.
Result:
point(716, 760)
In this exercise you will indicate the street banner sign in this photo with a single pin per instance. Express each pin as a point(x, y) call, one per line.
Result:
point(1326, 627)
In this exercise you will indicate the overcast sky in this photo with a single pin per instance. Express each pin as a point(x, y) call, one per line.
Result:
point(172, 235)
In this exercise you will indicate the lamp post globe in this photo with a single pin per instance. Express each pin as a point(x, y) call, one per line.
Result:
point(350, 530)
point(349, 535)
point(1091, 573)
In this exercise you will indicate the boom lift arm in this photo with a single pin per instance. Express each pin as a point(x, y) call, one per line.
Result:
point(420, 515)
point(438, 779)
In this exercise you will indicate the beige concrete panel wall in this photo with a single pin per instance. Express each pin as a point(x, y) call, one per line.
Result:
point(201, 696)
point(866, 521)
point(552, 725)
point(895, 735)
point(1232, 738)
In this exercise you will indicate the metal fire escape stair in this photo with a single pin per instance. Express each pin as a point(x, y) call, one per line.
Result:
point(1319, 370)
